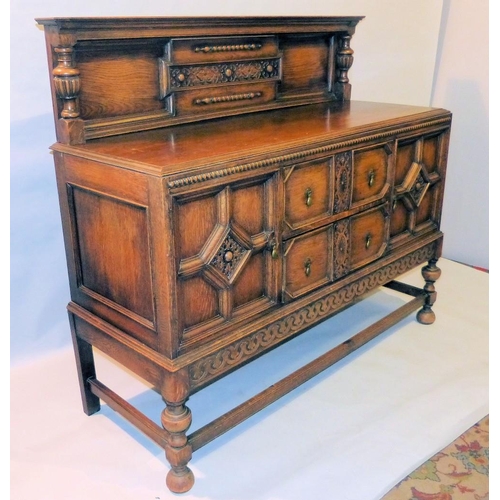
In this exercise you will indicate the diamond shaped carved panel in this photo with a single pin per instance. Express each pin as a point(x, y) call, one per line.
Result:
point(229, 257)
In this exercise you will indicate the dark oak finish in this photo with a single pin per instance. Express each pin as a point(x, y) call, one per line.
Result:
point(220, 194)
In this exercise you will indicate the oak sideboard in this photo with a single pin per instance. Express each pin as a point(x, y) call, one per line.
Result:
point(220, 193)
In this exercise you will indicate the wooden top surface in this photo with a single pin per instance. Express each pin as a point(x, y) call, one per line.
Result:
point(194, 147)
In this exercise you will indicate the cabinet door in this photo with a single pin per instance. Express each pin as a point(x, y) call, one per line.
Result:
point(225, 265)
point(418, 186)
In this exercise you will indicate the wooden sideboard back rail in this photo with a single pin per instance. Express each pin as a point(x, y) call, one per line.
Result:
point(220, 194)
point(112, 77)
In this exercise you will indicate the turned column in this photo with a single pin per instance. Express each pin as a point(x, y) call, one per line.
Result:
point(176, 419)
point(431, 274)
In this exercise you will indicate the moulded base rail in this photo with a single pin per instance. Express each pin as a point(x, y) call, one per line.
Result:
point(258, 402)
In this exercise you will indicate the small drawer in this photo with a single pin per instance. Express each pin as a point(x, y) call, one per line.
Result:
point(308, 262)
point(370, 175)
point(215, 99)
point(198, 50)
point(186, 77)
point(308, 193)
point(369, 234)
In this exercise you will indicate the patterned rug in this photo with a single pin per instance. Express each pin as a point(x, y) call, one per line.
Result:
point(459, 472)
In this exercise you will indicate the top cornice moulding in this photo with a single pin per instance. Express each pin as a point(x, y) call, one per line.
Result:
point(284, 22)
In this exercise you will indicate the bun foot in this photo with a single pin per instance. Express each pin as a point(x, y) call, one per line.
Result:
point(180, 481)
point(426, 316)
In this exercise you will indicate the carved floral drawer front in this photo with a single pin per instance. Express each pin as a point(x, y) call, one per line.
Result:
point(180, 77)
point(370, 174)
point(222, 98)
point(198, 50)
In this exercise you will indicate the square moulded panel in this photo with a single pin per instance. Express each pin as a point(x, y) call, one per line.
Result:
point(113, 248)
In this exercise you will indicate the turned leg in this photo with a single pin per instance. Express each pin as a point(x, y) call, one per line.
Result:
point(176, 419)
point(86, 369)
point(431, 274)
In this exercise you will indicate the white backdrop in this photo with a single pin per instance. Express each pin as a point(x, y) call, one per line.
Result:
point(395, 50)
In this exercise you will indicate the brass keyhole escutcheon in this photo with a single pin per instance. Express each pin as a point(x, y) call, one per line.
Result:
point(228, 256)
point(307, 267)
point(368, 241)
point(371, 178)
point(274, 251)
point(308, 196)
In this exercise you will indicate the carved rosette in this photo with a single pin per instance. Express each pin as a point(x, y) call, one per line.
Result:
point(67, 82)
point(228, 256)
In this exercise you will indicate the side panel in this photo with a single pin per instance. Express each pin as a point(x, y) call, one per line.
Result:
point(106, 224)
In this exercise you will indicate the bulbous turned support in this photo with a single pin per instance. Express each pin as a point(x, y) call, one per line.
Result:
point(431, 274)
point(67, 82)
point(176, 420)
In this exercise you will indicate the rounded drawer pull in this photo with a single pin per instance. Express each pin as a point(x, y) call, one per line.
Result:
point(181, 77)
point(307, 267)
point(368, 241)
point(228, 48)
point(308, 195)
point(371, 178)
point(228, 256)
point(269, 68)
point(228, 72)
point(227, 98)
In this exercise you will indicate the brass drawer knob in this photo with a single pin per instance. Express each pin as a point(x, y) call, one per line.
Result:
point(307, 267)
point(228, 72)
point(308, 195)
point(368, 241)
point(228, 256)
point(371, 178)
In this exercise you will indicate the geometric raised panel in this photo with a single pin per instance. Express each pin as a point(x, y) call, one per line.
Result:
point(233, 245)
point(416, 184)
